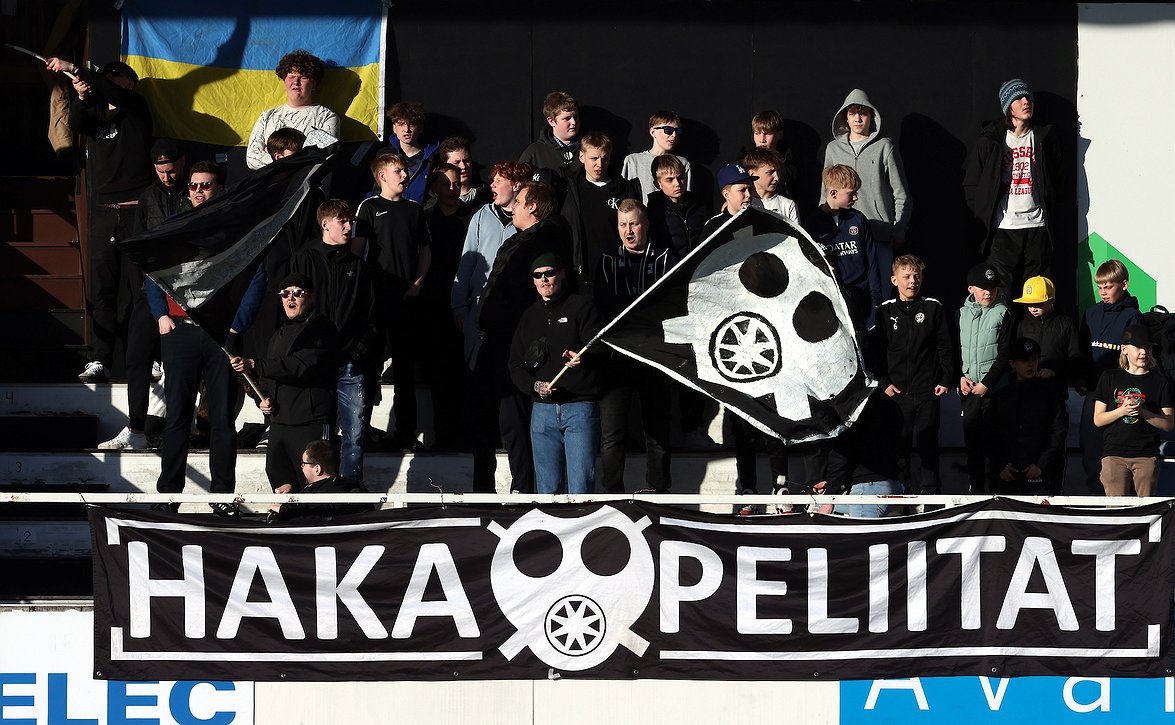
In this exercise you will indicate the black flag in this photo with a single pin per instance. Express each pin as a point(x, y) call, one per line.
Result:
point(753, 317)
point(204, 259)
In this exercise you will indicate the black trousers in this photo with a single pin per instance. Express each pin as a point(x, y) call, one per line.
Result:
point(1091, 441)
point(974, 410)
point(746, 444)
point(405, 343)
point(497, 398)
point(920, 421)
point(444, 367)
point(107, 225)
point(1019, 254)
point(283, 453)
point(626, 377)
point(189, 355)
point(142, 349)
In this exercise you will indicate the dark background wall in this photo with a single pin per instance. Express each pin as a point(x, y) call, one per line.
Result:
point(932, 68)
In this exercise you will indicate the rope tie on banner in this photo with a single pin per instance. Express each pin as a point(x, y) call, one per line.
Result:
point(440, 492)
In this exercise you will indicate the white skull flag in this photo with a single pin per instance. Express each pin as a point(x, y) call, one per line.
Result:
point(753, 317)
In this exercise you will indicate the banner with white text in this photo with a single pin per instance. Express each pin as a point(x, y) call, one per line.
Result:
point(634, 590)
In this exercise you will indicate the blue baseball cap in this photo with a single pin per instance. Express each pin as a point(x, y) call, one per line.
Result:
point(733, 174)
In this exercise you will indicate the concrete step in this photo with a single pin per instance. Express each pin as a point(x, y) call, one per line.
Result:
point(125, 471)
point(108, 401)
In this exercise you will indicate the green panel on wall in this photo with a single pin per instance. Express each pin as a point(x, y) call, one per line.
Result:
point(1095, 250)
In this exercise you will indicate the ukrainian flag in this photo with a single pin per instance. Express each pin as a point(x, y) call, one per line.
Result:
point(207, 68)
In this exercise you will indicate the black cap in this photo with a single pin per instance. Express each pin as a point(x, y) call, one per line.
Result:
point(548, 259)
point(118, 68)
point(295, 279)
point(164, 151)
point(1024, 348)
point(1138, 335)
point(984, 276)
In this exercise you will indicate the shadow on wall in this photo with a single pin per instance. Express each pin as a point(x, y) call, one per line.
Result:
point(807, 152)
point(934, 160)
point(338, 91)
point(616, 128)
point(1071, 280)
point(700, 144)
point(439, 127)
point(180, 93)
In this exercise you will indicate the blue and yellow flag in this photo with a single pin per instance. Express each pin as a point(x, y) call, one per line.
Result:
point(207, 69)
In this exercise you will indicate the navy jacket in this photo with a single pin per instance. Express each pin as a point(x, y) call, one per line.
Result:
point(1101, 334)
point(677, 226)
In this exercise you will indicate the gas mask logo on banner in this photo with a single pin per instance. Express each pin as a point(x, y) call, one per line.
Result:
point(573, 618)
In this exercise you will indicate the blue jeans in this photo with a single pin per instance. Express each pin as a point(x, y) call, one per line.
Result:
point(870, 510)
point(565, 432)
point(352, 397)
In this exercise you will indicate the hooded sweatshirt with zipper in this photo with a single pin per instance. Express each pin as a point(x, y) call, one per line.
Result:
point(882, 197)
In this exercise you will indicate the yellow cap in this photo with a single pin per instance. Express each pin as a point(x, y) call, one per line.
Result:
point(1037, 290)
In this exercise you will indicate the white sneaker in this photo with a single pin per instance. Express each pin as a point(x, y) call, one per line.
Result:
point(126, 440)
point(156, 371)
point(95, 372)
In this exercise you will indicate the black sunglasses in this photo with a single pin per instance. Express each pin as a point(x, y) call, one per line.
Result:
point(202, 185)
point(548, 273)
point(296, 293)
point(669, 130)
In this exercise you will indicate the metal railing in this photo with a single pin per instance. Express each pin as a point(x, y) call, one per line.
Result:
point(398, 500)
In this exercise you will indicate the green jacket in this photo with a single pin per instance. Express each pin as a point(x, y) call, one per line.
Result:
point(984, 338)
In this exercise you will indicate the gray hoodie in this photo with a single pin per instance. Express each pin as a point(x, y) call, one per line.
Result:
point(882, 198)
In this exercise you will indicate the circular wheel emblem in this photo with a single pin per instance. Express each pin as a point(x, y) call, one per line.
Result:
point(575, 625)
point(745, 348)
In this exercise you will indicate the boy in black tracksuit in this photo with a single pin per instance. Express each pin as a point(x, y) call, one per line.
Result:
point(298, 379)
point(915, 367)
point(1026, 428)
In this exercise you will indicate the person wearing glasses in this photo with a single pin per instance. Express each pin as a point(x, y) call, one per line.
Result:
point(298, 378)
point(665, 128)
point(507, 294)
point(346, 296)
point(320, 467)
point(565, 414)
point(191, 354)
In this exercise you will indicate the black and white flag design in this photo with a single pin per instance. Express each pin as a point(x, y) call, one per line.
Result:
point(205, 258)
point(753, 317)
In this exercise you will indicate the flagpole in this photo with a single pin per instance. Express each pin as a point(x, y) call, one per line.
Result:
point(249, 380)
point(568, 365)
point(41, 58)
point(657, 284)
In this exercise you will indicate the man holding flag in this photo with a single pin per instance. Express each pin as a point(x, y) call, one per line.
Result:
point(189, 354)
point(564, 418)
point(206, 281)
point(753, 318)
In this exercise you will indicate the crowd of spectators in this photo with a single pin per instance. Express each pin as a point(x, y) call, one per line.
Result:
point(490, 292)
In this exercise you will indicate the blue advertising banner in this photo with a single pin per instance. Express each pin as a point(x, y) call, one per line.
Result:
point(1008, 700)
